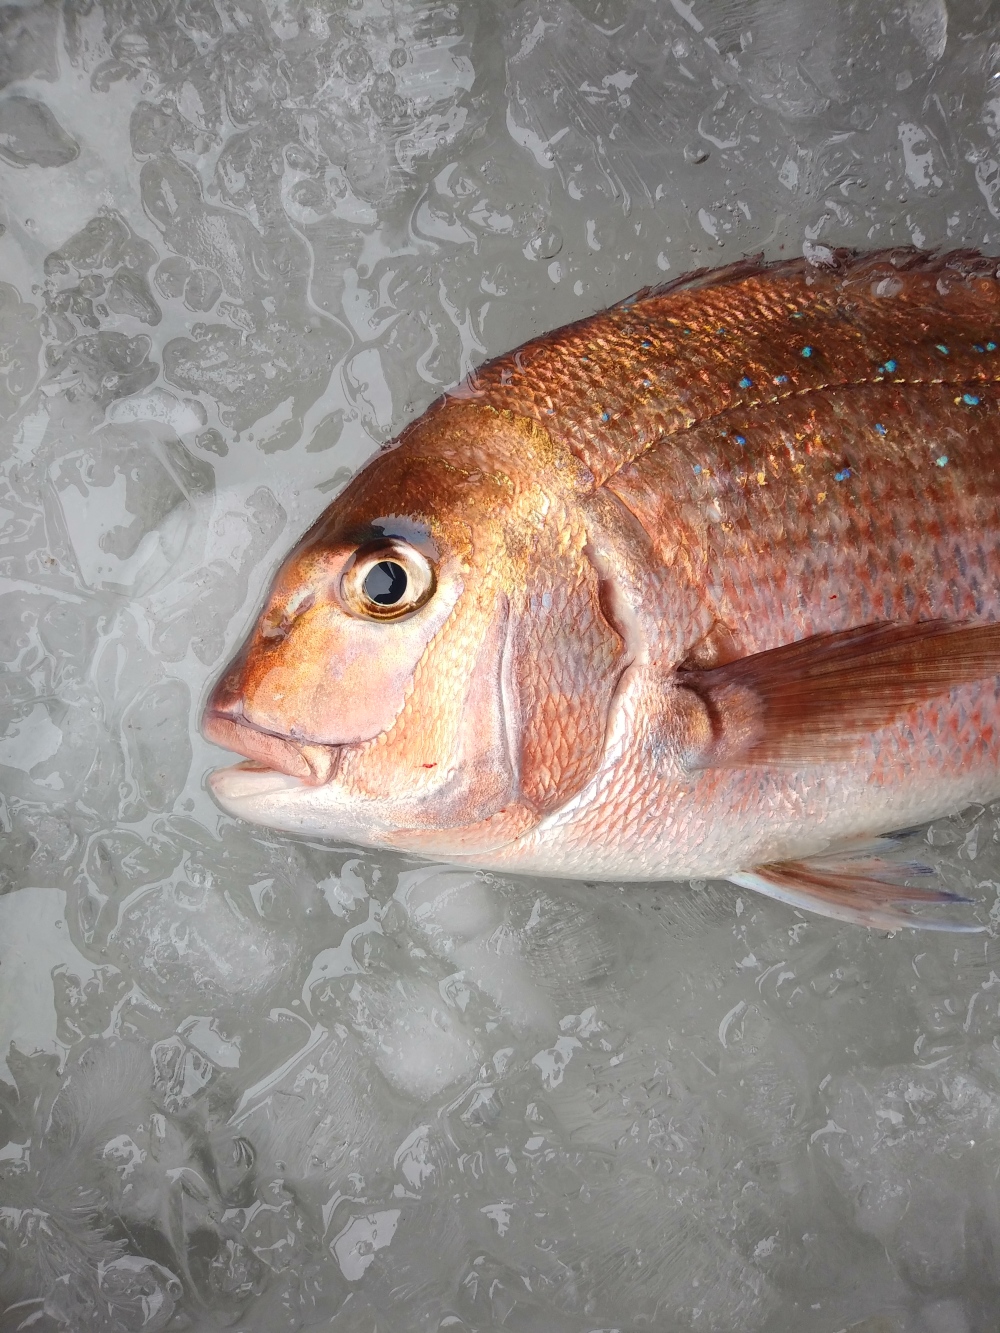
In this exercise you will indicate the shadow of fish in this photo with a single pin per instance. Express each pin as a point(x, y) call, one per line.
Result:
point(704, 585)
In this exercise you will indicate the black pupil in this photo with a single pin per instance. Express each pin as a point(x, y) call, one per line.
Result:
point(385, 583)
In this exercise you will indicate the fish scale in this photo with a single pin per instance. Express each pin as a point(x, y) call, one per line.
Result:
point(751, 325)
point(714, 591)
point(839, 538)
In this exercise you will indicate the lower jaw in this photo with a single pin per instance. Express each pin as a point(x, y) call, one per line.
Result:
point(249, 780)
point(260, 795)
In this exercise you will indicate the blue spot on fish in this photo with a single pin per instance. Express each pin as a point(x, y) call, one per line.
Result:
point(746, 383)
point(941, 348)
point(978, 347)
point(740, 439)
point(879, 427)
point(645, 343)
point(697, 468)
point(781, 379)
point(807, 351)
point(991, 347)
point(970, 399)
point(888, 368)
point(605, 416)
point(942, 461)
point(842, 475)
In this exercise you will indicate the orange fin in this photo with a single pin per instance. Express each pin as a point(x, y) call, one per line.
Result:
point(865, 891)
point(819, 699)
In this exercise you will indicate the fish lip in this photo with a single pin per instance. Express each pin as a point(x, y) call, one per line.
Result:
point(311, 764)
point(259, 795)
point(249, 778)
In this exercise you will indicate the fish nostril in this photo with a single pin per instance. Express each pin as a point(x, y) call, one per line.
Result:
point(276, 623)
point(274, 626)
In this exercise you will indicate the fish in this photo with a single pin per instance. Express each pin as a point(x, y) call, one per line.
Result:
point(705, 585)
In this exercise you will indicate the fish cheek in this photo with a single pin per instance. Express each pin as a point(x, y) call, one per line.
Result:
point(336, 679)
point(481, 773)
point(446, 761)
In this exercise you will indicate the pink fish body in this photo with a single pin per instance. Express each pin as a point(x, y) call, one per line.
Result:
point(706, 585)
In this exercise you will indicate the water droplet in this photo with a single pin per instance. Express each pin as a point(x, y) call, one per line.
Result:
point(544, 245)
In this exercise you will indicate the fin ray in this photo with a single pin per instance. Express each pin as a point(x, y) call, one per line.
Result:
point(865, 891)
point(819, 699)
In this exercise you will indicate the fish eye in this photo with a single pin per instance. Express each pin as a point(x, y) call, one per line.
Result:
point(386, 581)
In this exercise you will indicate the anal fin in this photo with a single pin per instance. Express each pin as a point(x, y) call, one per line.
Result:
point(864, 890)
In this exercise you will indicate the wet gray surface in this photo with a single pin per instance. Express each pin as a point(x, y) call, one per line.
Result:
point(259, 1083)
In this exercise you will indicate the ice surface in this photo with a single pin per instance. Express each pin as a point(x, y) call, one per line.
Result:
point(261, 1083)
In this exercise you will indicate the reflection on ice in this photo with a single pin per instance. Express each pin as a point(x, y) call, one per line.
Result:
point(35, 952)
point(251, 1081)
point(476, 1063)
point(126, 506)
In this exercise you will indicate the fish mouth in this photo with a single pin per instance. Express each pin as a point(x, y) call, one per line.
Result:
point(314, 765)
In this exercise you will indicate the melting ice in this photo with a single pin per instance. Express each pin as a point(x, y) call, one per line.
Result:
point(258, 1082)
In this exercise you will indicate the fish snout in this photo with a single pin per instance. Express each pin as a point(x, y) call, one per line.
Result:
point(224, 723)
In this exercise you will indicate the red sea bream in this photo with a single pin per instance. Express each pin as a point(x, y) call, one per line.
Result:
point(704, 585)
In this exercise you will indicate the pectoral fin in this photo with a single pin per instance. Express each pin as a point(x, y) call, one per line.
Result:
point(864, 891)
point(819, 699)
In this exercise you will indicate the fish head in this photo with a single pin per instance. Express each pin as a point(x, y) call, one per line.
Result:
point(380, 696)
point(348, 616)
